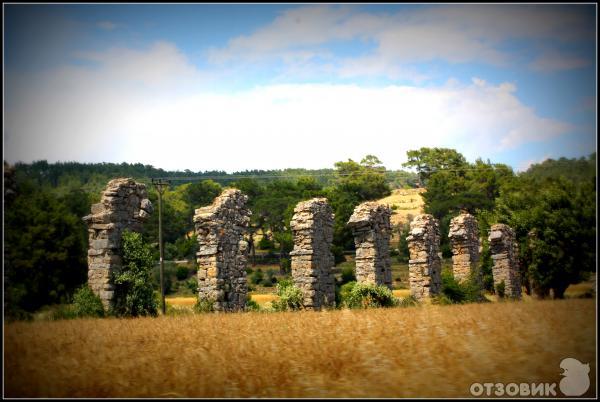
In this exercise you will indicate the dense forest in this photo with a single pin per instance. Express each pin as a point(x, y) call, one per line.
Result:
point(551, 206)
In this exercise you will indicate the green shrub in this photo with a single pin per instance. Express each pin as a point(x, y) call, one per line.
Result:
point(408, 301)
point(348, 274)
point(270, 279)
point(265, 244)
point(366, 295)
point(133, 281)
point(257, 277)
point(290, 296)
point(286, 265)
point(192, 284)
point(204, 306)
point(86, 303)
point(55, 312)
point(468, 291)
point(182, 273)
point(251, 305)
point(338, 254)
point(500, 289)
point(343, 292)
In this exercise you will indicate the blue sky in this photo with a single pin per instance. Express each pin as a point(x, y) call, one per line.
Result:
point(267, 86)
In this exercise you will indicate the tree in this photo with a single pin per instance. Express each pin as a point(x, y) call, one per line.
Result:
point(554, 221)
point(45, 251)
point(134, 295)
point(454, 185)
point(355, 183)
point(430, 160)
point(201, 193)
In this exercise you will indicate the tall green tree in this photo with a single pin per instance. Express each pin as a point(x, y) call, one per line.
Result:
point(554, 218)
point(45, 247)
point(429, 160)
point(355, 183)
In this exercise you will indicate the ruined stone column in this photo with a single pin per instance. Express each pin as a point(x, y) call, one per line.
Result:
point(124, 205)
point(371, 227)
point(312, 260)
point(505, 257)
point(222, 255)
point(425, 265)
point(464, 237)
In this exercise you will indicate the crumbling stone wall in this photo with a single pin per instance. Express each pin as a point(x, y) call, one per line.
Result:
point(464, 238)
point(425, 266)
point(222, 255)
point(370, 224)
point(124, 205)
point(312, 260)
point(505, 257)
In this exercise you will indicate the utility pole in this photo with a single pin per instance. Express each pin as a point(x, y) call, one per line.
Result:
point(160, 184)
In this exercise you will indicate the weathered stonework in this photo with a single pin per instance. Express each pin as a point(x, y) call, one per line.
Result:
point(222, 255)
point(370, 224)
point(464, 238)
point(505, 257)
point(425, 266)
point(312, 260)
point(124, 205)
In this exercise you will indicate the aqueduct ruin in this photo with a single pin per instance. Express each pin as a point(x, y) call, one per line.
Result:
point(505, 254)
point(312, 260)
point(464, 238)
point(124, 204)
point(222, 254)
point(370, 224)
point(424, 266)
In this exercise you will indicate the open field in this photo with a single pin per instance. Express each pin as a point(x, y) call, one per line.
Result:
point(425, 351)
point(407, 202)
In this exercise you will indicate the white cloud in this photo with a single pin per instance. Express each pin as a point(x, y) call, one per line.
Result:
point(456, 33)
point(164, 118)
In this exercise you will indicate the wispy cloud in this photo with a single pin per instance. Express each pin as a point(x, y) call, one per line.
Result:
point(456, 34)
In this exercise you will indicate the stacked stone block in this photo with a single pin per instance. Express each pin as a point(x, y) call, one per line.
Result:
point(222, 254)
point(425, 266)
point(312, 260)
point(370, 224)
point(124, 205)
point(505, 257)
point(464, 238)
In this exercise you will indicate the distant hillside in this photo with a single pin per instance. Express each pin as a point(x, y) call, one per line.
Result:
point(405, 204)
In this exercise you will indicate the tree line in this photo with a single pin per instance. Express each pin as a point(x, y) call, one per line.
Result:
point(551, 206)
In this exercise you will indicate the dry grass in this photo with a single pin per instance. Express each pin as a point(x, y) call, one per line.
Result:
point(401, 293)
point(264, 298)
point(188, 301)
point(418, 351)
point(407, 202)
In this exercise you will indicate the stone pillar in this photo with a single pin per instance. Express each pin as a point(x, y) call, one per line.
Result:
point(464, 237)
point(124, 205)
point(505, 257)
point(425, 265)
point(312, 260)
point(370, 224)
point(222, 255)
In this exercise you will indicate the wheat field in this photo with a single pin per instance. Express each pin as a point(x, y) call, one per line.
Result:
point(423, 351)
